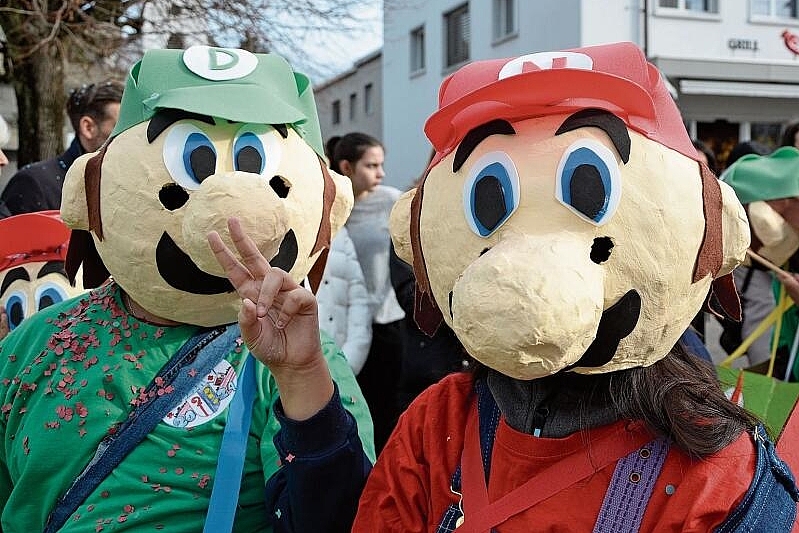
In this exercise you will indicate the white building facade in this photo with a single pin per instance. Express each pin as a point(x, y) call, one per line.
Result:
point(733, 64)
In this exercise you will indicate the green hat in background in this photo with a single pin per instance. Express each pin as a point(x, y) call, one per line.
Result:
point(228, 83)
point(768, 177)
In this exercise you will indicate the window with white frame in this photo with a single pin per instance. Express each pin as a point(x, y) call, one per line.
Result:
point(368, 96)
point(353, 105)
point(785, 9)
point(417, 49)
point(458, 35)
point(692, 6)
point(504, 18)
point(335, 112)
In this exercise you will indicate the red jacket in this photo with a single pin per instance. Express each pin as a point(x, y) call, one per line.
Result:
point(409, 489)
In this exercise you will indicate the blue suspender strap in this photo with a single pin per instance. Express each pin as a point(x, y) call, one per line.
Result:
point(489, 415)
point(229, 468)
point(198, 356)
point(489, 419)
point(630, 489)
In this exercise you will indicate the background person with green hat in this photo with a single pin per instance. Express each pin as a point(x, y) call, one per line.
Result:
point(768, 187)
point(192, 383)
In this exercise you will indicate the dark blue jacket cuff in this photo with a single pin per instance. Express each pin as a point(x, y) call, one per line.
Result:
point(324, 432)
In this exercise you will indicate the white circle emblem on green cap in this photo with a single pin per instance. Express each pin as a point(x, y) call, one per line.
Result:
point(219, 64)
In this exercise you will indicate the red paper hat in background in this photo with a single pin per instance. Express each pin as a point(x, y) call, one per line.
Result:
point(32, 237)
point(614, 77)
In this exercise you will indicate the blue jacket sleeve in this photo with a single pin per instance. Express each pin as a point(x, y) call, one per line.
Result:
point(324, 468)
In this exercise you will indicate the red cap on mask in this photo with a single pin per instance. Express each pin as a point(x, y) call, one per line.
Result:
point(613, 77)
point(32, 237)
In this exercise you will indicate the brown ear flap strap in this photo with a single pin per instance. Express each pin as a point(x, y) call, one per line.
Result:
point(722, 300)
point(425, 311)
point(82, 250)
point(317, 270)
point(419, 270)
point(711, 251)
point(328, 197)
point(91, 177)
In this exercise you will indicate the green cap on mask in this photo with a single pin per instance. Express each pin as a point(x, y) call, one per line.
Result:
point(227, 83)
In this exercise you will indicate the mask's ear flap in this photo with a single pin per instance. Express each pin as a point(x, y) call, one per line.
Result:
point(736, 235)
point(74, 207)
point(400, 226)
point(80, 210)
point(343, 201)
point(425, 310)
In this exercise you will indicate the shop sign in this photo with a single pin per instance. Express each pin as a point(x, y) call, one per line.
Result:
point(742, 44)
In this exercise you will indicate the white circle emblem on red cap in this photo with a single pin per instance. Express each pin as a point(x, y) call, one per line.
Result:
point(545, 61)
point(219, 64)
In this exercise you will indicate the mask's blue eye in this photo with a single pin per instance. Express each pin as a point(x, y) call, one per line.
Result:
point(189, 155)
point(48, 294)
point(199, 157)
point(258, 149)
point(491, 193)
point(589, 181)
point(248, 153)
point(16, 305)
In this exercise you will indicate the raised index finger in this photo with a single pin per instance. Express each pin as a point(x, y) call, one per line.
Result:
point(234, 270)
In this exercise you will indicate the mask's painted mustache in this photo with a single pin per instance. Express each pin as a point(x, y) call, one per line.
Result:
point(180, 272)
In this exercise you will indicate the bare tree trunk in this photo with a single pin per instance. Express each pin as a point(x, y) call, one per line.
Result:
point(43, 37)
point(39, 86)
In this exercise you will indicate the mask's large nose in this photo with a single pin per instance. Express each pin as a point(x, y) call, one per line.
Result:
point(259, 205)
point(530, 306)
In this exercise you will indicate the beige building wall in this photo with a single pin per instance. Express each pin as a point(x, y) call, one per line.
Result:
point(353, 100)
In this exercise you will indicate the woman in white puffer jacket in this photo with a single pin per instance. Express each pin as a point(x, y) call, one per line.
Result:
point(343, 302)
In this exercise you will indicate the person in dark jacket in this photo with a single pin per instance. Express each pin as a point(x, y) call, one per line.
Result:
point(93, 111)
point(425, 359)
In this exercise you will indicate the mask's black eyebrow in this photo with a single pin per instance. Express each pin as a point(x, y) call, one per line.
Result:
point(476, 136)
point(612, 125)
point(282, 129)
point(166, 117)
point(13, 275)
point(52, 267)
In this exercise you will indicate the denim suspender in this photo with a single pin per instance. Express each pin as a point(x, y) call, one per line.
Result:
point(198, 356)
